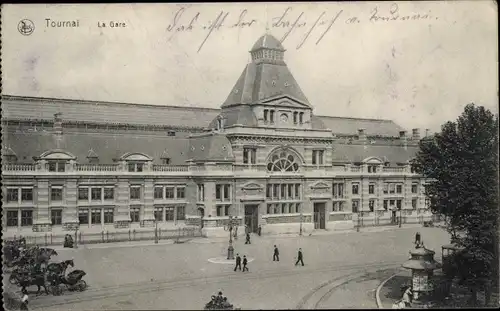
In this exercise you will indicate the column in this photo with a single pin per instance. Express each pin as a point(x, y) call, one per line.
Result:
point(70, 220)
point(210, 202)
point(364, 204)
point(122, 210)
point(148, 219)
point(42, 221)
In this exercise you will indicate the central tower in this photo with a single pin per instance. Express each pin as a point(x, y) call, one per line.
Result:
point(266, 93)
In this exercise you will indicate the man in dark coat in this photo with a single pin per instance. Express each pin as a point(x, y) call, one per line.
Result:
point(276, 255)
point(417, 240)
point(299, 257)
point(238, 262)
point(248, 239)
point(245, 262)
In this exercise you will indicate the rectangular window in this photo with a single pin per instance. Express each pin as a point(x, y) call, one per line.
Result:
point(108, 215)
point(249, 155)
point(371, 189)
point(169, 213)
point(227, 190)
point(26, 218)
point(138, 167)
point(134, 214)
point(158, 193)
point(372, 168)
point(283, 191)
point(218, 192)
point(96, 216)
point(269, 190)
point(201, 193)
point(27, 195)
point(276, 191)
point(181, 213)
point(414, 188)
point(131, 167)
point(297, 191)
point(169, 192)
point(399, 189)
point(83, 193)
point(414, 203)
point(385, 205)
point(12, 195)
point(181, 192)
point(83, 217)
point(220, 210)
point(135, 193)
point(61, 166)
point(283, 208)
point(290, 191)
point(386, 188)
point(295, 114)
point(265, 115)
point(297, 208)
point(56, 216)
point(166, 161)
point(341, 206)
point(109, 193)
point(371, 205)
point(269, 208)
point(398, 204)
point(355, 188)
point(159, 214)
point(392, 188)
point(12, 220)
point(52, 167)
point(315, 157)
point(301, 117)
point(96, 194)
point(56, 194)
point(271, 116)
point(355, 206)
point(55, 166)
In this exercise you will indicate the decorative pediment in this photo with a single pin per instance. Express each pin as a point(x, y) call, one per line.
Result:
point(56, 154)
point(285, 101)
point(320, 185)
point(373, 160)
point(135, 156)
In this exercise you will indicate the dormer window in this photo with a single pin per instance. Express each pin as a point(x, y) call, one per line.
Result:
point(301, 117)
point(266, 113)
point(135, 166)
point(57, 166)
point(372, 168)
point(271, 116)
point(166, 161)
point(92, 157)
point(295, 115)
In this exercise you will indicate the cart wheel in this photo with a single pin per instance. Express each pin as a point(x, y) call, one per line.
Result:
point(55, 290)
point(82, 285)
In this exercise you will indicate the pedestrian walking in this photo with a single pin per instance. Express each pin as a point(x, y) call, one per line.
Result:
point(245, 262)
point(299, 258)
point(248, 239)
point(276, 255)
point(417, 239)
point(238, 262)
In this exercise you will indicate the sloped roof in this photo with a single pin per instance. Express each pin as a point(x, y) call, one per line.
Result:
point(341, 125)
point(107, 145)
point(261, 81)
point(26, 108)
point(212, 147)
point(242, 115)
point(357, 153)
point(267, 41)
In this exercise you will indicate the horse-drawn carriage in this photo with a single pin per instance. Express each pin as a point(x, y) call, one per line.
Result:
point(32, 267)
point(219, 302)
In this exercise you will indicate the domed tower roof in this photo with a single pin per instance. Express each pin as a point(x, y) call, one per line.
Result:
point(267, 41)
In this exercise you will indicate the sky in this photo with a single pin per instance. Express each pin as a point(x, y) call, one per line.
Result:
point(417, 63)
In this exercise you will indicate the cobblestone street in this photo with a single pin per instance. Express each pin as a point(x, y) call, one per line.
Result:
point(179, 276)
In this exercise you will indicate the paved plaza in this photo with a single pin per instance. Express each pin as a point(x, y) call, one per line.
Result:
point(180, 276)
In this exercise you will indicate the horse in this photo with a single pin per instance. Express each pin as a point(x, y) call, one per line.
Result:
point(36, 279)
point(42, 256)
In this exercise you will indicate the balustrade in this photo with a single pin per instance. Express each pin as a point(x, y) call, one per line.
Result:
point(19, 167)
point(170, 168)
point(96, 167)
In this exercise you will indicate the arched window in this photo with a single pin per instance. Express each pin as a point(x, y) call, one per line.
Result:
point(283, 162)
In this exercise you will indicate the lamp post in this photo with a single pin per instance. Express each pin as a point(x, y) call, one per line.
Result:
point(301, 220)
point(400, 217)
point(230, 248)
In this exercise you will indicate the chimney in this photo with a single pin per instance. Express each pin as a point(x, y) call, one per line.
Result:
point(361, 134)
point(58, 123)
point(404, 139)
point(415, 134)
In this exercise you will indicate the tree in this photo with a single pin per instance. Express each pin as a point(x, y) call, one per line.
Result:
point(461, 167)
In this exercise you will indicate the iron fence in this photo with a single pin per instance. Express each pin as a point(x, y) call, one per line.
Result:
point(80, 237)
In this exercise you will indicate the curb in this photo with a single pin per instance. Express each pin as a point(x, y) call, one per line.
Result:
point(377, 293)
